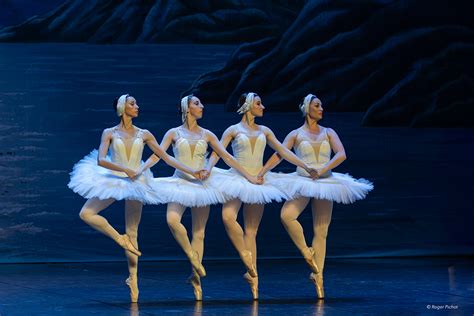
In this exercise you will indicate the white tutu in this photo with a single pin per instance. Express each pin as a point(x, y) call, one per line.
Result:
point(234, 186)
point(183, 188)
point(90, 180)
point(333, 186)
point(338, 187)
point(187, 191)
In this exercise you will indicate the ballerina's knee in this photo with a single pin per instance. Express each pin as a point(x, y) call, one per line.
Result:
point(251, 232)
point(173, 221)
point(199, 235)
point(228, 218)
point(85, 215)
point(286, 218)
point(321, 231)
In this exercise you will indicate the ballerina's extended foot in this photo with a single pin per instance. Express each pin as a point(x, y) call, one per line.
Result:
point(308, 254)
point(317, 280)
point(253, 282)
point(247, 259)
point(196, 263)
point(125, 242)
point(195, 282)
point(132, 282)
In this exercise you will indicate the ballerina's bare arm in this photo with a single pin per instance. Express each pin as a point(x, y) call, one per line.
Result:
point(150, 162)
point(226, 138)
point(276, 158)
point(150, 140)
point(337, 148)
point(165, 144)
point(228, 159)
point(102, 161)
point(287, 154)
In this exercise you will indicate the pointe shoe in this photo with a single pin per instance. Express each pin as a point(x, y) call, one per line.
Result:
point(132, 283)
point(317, 280)
point(125, 242)
point(247, 259)
point(196, 263)
point(253, 282)
point(195, 282)
point(308, 255)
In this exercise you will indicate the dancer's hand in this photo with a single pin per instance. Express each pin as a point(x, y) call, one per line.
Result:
point(209, 169)
point(198, 174)
point(204, 174)
point(255, 180)
point(132, 174)
point(322, 171)
point(313, 173)
point(261, 174)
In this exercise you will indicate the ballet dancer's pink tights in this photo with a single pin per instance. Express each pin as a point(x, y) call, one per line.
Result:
point(133, 214)
point(200, 215)
point(322, 211)
point(243, 239)
point(133, 211)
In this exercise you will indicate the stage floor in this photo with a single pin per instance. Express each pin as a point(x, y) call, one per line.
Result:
point(431, 286)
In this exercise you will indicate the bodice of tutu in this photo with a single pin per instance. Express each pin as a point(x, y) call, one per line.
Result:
point(315, 153)
point(118, 151)
point(190, 152)
point(248, 156)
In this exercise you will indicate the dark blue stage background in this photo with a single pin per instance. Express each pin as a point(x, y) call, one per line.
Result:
point(55, 99)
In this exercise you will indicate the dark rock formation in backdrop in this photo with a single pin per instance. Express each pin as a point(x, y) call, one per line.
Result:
point(403, 63)
point(16, 11)
point(151, 21)
point(407, 63)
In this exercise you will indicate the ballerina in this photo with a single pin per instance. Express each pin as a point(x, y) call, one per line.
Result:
point(248, 144)
point(190, 143)
point(313, 144)
point(105, 179)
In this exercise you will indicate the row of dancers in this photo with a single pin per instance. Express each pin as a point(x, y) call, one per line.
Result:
point(116, 172)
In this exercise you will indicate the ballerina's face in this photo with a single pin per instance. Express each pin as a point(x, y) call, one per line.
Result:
point(316, 109)
point(195, 108)
point(257, 107)
point(131, 107)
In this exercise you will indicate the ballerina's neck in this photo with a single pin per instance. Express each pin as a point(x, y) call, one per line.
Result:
point(191, 126)
point(249, 127)
point(312, 127)
point(249, 120)
point(129, 132)
point(125, 122)
point(191, 123)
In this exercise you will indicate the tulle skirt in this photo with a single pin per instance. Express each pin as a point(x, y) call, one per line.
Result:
point(338, 187)
point(234, 186)
point(90, 180)
point(185, 190)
